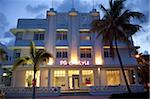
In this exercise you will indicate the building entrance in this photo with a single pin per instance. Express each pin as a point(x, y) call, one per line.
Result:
point(75, 81)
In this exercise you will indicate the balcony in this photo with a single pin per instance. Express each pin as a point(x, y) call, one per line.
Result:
point(24, 43)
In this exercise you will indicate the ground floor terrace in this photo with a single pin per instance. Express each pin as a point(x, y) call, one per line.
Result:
point(70, 78)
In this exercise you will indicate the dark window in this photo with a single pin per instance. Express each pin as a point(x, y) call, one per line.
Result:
point(38, 36)
point(107, 53)
point(19, 35)
point(61, 53)
point(85, 53)
point(61, 35)
point(17, 53)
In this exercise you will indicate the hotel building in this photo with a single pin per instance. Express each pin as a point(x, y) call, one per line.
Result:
point(80, 59)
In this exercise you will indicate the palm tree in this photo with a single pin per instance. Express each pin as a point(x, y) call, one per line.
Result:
point(116, 26)
point(36, 57)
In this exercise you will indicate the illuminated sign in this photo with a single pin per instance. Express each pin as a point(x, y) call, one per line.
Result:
point(65, 62)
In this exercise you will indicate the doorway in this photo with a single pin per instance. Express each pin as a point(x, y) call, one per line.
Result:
point(75, 81)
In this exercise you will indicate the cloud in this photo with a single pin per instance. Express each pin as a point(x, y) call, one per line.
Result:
point(3, 24)
point(36, 9)
point(39, 16)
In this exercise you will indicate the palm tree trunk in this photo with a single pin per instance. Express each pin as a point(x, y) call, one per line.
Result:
point(34, 81)
point(121, 64)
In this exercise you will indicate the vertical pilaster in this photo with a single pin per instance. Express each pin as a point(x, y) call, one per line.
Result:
point(49, 77)
point(74, 36)
point(50, 37)
point(136, 76)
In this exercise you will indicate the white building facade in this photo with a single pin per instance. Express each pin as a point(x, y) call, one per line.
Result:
point(80, 60)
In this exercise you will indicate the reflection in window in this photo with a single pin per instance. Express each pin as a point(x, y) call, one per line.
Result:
point(59, 78)
point(113, 77)
point(87, 78)
point(29, 78)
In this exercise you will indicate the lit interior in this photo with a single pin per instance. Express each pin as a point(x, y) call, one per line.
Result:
point(113, 77)
point(87, 78)
point(29, 78)
point(59, 78)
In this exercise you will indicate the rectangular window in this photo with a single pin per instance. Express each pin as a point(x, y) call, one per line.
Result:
point(38, 36)
point(85, 53)
point(61, 53)
point(59, 78)
point(17, 53)
point(87, 78)
point(29, 78)
point(113, 77)
point(85, 35)
point(61, 35)
point(107, 53)
point(19, 36)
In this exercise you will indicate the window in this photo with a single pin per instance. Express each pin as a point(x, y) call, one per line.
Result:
point(61, 53)
point(19, 36)
point(85, 35)
point(113, 77)
point(107, 53)
point(59, 78)
point(29, 78)
point(17, 53)
point(85, 53)
point(38, 36)
point(87, 78)
point(61, 35)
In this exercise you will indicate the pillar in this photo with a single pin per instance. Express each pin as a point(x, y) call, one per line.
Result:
point(49, 76)
point(136, 76)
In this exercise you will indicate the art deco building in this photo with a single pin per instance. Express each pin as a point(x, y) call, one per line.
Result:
point(80, 60)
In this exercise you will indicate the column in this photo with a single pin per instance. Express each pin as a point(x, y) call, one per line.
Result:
point(80, 79)
point(99, 78)
point(136, 76)
point(66, 80)
point(49, 76)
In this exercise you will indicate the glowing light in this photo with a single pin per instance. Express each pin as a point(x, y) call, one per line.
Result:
point(98, 61)
point(137, 56)
point(51, 61)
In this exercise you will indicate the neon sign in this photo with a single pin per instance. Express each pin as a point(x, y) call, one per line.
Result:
point(65, 62)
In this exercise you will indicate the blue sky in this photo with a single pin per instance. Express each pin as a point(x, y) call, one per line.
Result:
point(12, 10)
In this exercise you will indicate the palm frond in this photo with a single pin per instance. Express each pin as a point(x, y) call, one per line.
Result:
point(21, 61)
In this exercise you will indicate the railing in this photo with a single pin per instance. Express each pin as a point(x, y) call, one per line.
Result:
point(107, 90)
point(27, 91)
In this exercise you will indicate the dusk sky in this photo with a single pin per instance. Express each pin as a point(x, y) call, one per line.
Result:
point(12, 10)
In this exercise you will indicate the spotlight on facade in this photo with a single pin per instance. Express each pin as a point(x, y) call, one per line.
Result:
point(50, 62)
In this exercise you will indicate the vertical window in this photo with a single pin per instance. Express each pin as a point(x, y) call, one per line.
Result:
point(107, 53)
point(38, 36)
point(85, 53)
point(59, 78)
point(61, 53)
point(113, 77)
point(19, 36)
point(61, 35)
point(29, 78)
point(85, 35)
point(87, 77)
point(17, 53)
